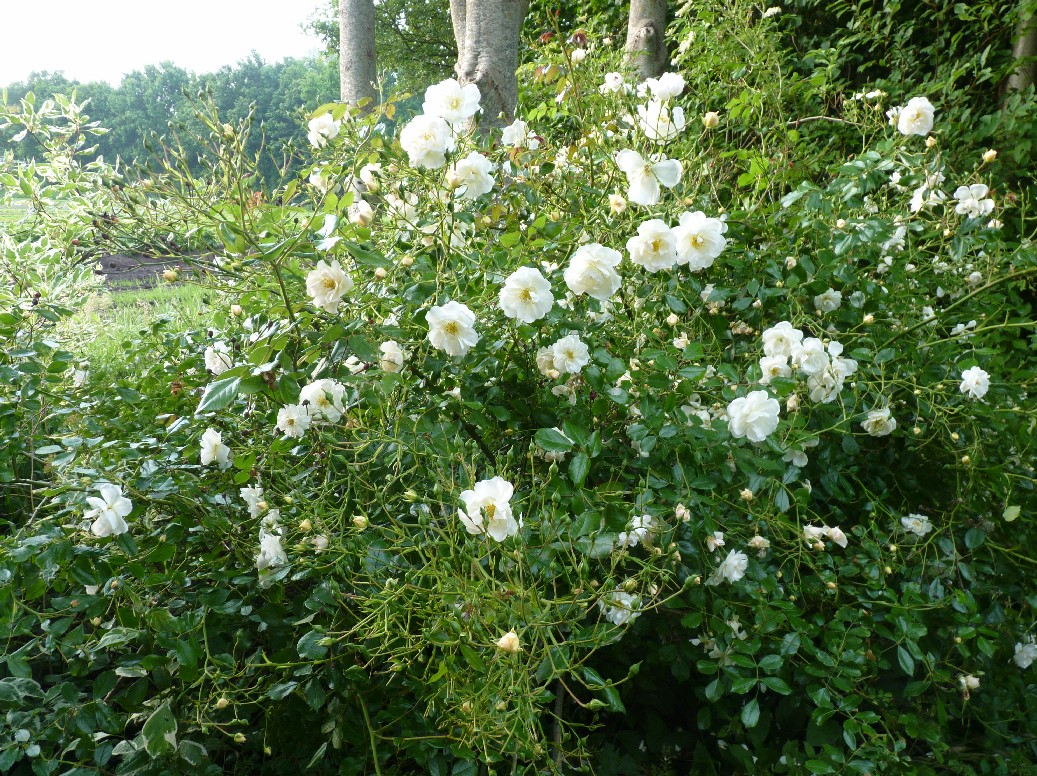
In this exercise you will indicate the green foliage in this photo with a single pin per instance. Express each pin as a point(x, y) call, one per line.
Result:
point(340, 616)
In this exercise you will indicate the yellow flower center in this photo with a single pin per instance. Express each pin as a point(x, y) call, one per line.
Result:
point(491, 510)
point(525, 295)
point(656, 245)
point(329, 283)
point(452, 328)
point(698, 240)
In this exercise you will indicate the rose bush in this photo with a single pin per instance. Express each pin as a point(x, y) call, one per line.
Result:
point(465, 478)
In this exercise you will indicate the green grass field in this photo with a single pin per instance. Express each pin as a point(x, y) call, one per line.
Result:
point(100, 330)
point(9, 214)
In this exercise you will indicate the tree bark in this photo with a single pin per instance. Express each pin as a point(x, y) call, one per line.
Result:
point(1025, 48)
point(646, 38)
point(356, 50)
point(487, 36)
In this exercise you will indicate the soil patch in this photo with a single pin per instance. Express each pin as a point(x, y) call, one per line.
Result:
point(144, 271)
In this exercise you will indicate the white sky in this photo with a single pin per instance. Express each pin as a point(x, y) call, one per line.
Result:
point(100, 40)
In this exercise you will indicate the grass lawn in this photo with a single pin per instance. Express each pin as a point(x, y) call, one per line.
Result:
point(9, 214)
point(113, 317)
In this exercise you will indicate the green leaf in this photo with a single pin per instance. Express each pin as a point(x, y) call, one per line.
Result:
point(906, 661)
point(310, 647)
point(551, 440)
point(159, 732)
point(218, 394)
point(282, 690)
point(192, 752)
point(1011, 513)
point(751, 713)
point(579, 467)
point(779, 686)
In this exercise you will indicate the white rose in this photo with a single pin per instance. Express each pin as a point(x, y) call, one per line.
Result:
point(1025, 654)
point(700, 240)
point(880, 422)
point(109, 511)
point(451, 328)
point(654, 247)
point(322, 128)
point(919, 525)
point(451, 101)
point(393, 356)
point(472, 175)
point(526, 295)
point(731, 569)
point(620, 607)
point(570, 354)
point(427, 140)
point(754, 416)
point(646, 177)
point(809, 356)
point(774, 366)
point(323, 398)
point(659, 123)
point(271, 553)
point(915, 118)
point(782, 339)
point(829, 301)
point(517, 135)
point(293, 420)
point(665, 87)
point(217, 358)
point(972, 201)
point(592, 271)
point(213, 449)
point(975, 382)
point(327, 284)
point(487, 509)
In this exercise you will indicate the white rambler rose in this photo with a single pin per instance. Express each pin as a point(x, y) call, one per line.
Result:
point(617, 203)
point(754, 416)
point(578, 55)
point(393, 356)
point(782, 339)
point(774, 366)
point(271, 553)
point(108, 513)
point(665, 87)
point(517, 135)
point(592, 271)
point(760, 544)
point(613, 84)
point(451, 328)
point(1025, 653)
point(915, 118)
point(659, 122)
point(217, 358)
point(526, 295)
point(451, 101)
point(810, 357)
point(320, 183)
point(654, 247)
point(546, 362)
point(322, 128)
point(824, 386)
point(731, 569)
point(880, 422)
point(975, 382)
point(293, 420)
point(646, 176)
point(812, 533)
point(837, 536)
point(509, 643)
point(968, 682)
point(253, 498)
point(472, 175)
point(640, 528)
point(369, 174)
point(700, 239)
point(711, 119)
point(323, 399)
point(919, 525)
point(327, 284)
point(972, 201)
point(487, 509)
point(620, 607)
point(715, 540)
point(213, 449)
point(829, 301)
point(570, 354)
point(360, 213)
point(427, 140)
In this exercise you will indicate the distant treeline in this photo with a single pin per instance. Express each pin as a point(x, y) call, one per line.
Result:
point(159, 99)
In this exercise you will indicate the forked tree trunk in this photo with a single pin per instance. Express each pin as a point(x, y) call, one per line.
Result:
point(356, 60)
point(1024, 52)
point(487, 36)
point(646, 38)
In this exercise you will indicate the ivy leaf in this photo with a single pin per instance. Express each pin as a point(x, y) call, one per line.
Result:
point(159, 732)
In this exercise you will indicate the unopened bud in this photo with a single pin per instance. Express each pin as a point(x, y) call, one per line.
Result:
point(222, 703)
point(361, 522)
point(711, 120)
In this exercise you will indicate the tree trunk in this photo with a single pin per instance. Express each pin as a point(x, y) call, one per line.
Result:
point(646, 38)
point(356, 50)
point(1025, 48)
point(487, 36)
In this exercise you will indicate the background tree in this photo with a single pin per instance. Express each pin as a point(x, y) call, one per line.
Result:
point(646, 38)
point(357, 63)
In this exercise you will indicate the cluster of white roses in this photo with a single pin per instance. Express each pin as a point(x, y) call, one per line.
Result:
point(915, 118)
point(487, 509)
point(786, 350)
point(695, 242)
point(620, 607)
point(320, 400)
point(814, 534)
point(640, 529)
